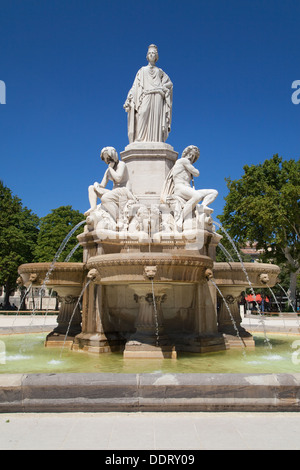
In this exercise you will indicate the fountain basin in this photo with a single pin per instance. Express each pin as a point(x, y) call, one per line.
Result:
point(231, 274)
point(148, 392)
point(66, 279)
point(64, 275)
point(151, 386)
point(130, 267)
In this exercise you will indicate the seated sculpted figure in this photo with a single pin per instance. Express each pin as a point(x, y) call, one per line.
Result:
point(114, 200)
point(149, 103)
point(178, 185)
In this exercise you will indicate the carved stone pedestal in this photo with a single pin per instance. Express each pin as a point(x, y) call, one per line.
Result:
point(241, 342)
point(201, 343)
point(97, 343)
point(148, 165)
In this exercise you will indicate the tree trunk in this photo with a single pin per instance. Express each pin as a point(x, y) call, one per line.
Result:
point(292, 287)
point(6, 305)
point(23, 295)
point(295, 269)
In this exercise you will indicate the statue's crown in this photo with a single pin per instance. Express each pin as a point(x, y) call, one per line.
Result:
point(152, 46)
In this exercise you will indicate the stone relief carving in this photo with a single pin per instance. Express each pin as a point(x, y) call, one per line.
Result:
point(264, 278)
point(94, 276)
point(149, 103)
point(150, 272)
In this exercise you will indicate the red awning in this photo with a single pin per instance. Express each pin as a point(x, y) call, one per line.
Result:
point(258, 298)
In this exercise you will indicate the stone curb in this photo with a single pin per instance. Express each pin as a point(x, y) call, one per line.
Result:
point(82, 392)
point(27, 329)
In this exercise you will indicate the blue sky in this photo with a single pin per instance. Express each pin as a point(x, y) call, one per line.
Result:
point(68, 66)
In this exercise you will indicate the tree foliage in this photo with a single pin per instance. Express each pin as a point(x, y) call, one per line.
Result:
point(263, 206)
point(18, 235)
point(54, 227)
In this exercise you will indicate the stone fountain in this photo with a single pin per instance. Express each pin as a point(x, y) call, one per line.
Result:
point(149, 248)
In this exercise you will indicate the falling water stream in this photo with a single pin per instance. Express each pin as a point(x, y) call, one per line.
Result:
point(226, 252)
point(72, 253)
point(21, 302)
point(72, 316)
point(249, 282)
point(59, 252)
point(276, 301)
point(152, 285)
point(290, 303)
point(231, 316)
point(288, 297)
point(155, 314)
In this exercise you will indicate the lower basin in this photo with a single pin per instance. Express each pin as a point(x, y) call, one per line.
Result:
point(26, 354)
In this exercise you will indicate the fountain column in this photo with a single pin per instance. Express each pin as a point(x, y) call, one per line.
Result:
point(154, 159)
point(98, 335)
point(69, 317)
point(229, 323)
point(149, 339)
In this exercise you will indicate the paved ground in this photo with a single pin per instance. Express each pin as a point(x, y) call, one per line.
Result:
point(287, 323)
point(150, 431)
point(19, 323)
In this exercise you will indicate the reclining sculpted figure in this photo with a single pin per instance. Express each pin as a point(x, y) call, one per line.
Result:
point(178, 187)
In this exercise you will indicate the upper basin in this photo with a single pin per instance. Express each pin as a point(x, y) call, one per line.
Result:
point(232, 274)
point(62, 274)
point(138, 267)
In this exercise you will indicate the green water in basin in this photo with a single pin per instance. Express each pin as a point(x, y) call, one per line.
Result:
point(27, 354)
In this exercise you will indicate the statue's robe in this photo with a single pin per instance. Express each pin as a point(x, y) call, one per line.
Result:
point(149, 117)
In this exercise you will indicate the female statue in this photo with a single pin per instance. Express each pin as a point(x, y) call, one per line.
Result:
point(149, 103)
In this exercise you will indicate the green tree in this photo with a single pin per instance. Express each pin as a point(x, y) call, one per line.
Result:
point(18, 235)
point(54, 228)
point(263, 206)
